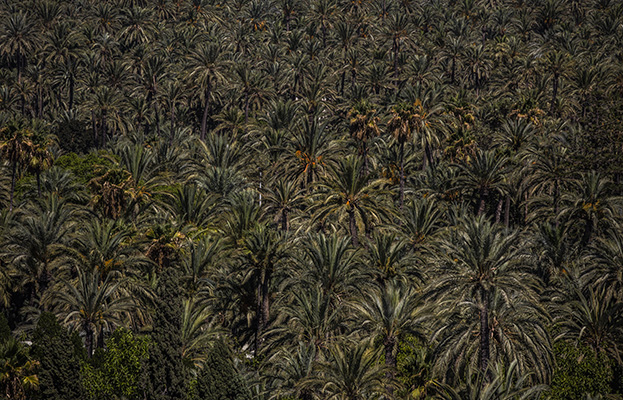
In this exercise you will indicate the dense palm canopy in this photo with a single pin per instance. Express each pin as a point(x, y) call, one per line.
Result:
point(359, 199)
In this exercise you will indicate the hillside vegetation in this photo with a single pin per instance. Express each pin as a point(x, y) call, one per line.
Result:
point(325, 199)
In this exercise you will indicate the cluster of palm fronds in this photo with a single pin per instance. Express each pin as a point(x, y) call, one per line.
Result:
point(362, 198)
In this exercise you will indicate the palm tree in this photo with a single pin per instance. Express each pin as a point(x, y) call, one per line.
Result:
point(16, 146)
point(421, 222)
point(262, 253)
point(207, 66)
point(92, 304)
point(401, 126)
point(18, 37)
point(363, 127)
point(199, 264)
point(283, 198)
point(482, 175)
point(329, 262)
point(389, 258)
point(17, 370)
point(348, 195)
point(390, 313)
point(594, 317)
point(501, 382)
point(589, 205)
point(38, 243)
point(352, 373)
point(481, 277)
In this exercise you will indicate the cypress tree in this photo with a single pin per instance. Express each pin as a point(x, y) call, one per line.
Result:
point(219, 379)
point(164, 373)
point(59, 370)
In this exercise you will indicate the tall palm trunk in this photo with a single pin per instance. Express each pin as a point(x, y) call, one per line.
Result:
point(402, 173)
point(389, 345)
point(284, 220)
point(482, 202)
point(484, 330)
point(204, 118)
point(88, 339)
point(13, 173)
point(353, 226)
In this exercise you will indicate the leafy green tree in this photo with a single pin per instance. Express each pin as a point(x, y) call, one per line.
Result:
point(118, 372)
point(59, 364)
point(579, 371)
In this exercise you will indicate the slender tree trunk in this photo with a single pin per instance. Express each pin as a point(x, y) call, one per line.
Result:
point(104, 133)
point(498, 211)
point(94, 127)
point(402, 174)
point(353, 226)
point(588, 231)
point(484, 331)
point(204, 119)
point(71, 93)
point(13, 173)
point(284, 220)
point(38, 174)
point(507, 211)
point(88, 339)
point(396, 52)
point(452, 71)
point(172, 133)
point(390, 361)
point(554, 94)
point(246, 109)
point(483, 201)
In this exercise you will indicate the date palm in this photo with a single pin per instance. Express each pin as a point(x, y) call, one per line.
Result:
point(483, 176)
point(38, 243)
point(206, 69)
point(17, 370)
point(18, 37)
point(401, 127)
point(283, 198)
point(16, 146)
point(92, 304)
point(389, 313)
point(594, 317)
point(482, 276)
point(363, 128)
point(347, 195)
point(352, 373)
point(329, 262)
point(262, 254)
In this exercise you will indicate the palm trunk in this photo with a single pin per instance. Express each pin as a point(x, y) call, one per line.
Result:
point(390, 361)
point(246, 109)
point(507, 210)
point(13, 173)
point(482, 202)
point(353, 226)
point(94, 127)
point(88, 339)
point(498, 211)
point(554, 94)
point(484, 331)
point(284, 220)
point(402, 174)
point(204, 119)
